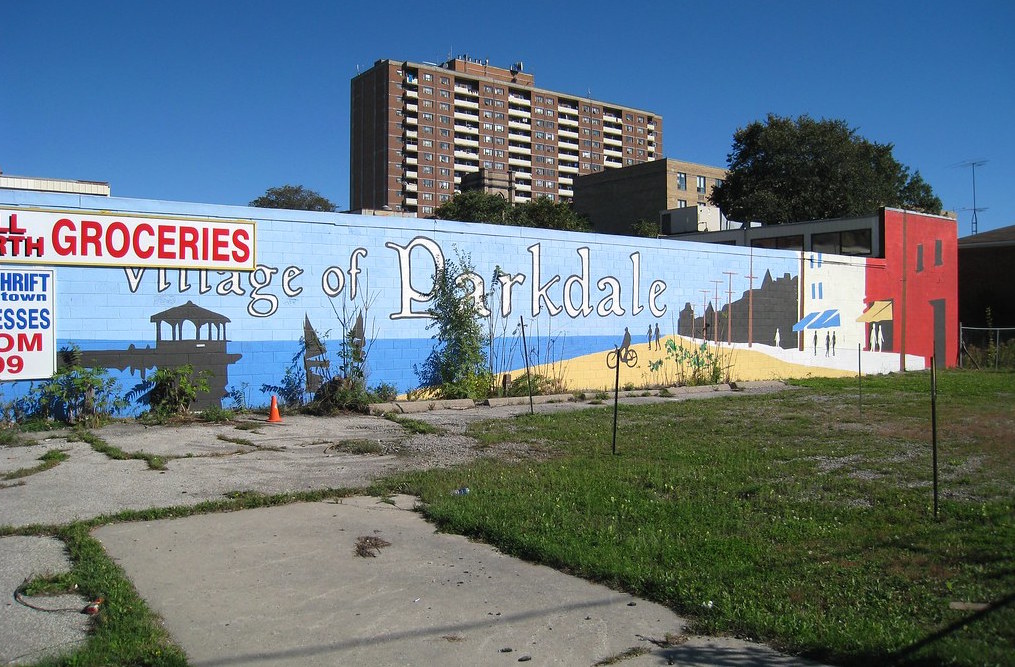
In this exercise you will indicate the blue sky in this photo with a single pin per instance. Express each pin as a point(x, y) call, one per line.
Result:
point(213, 101)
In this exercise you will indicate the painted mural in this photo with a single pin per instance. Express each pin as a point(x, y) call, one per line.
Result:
point(314, 281)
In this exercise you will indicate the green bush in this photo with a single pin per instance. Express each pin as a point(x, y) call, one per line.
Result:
point(217, 414)
point(457, 366)
point(170, 392)
point(339, 395)
point(384, 392)
point(75, 394)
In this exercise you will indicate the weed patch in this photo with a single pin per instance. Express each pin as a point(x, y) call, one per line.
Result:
point(50, 459)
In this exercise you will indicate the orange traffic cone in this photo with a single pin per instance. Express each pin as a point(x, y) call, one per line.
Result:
point(273, 415)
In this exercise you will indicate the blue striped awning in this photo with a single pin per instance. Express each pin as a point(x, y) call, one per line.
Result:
point(818, 320)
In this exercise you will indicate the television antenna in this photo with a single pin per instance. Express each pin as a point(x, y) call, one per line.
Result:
point(973, 164)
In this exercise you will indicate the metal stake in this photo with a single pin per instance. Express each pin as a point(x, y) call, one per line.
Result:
point(933, 421)
point(525, 349)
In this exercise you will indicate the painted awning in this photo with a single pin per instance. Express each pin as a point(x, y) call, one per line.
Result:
point(879, 311)
point(822, 319)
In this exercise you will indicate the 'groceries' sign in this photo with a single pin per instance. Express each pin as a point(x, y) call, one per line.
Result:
point(33, 236)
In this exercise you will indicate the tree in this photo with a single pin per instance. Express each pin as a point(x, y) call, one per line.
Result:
point(542, 212)
point(789, 170)
point(475, 206)
point(294, 198)
point(646, 228)
point(545, 213)
point(457, 366)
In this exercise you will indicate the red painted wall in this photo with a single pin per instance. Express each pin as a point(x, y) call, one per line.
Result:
point(919, 274)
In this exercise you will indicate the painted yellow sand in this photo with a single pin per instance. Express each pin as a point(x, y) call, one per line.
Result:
point(743, 363)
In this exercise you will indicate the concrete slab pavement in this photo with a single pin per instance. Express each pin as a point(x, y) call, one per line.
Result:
point(284, 585)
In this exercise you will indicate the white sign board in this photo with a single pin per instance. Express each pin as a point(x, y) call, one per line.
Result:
point(27, 323)
point(94, 238)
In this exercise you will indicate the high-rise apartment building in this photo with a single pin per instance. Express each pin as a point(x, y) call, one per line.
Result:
point(418, 129)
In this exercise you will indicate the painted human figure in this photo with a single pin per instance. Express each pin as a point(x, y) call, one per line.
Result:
point(649, 339)
point(625, 346)
point(815, 343)
point(874, 336)
point(828, 343)
point(833, 343)
point(881, 339)
point(777, 338)
point(658, 337)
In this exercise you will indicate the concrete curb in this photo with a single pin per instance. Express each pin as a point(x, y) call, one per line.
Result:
point(524, 400)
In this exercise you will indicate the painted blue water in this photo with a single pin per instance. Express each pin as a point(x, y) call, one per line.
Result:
point(389, 361)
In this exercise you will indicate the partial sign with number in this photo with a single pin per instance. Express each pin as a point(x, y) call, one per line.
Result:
point(27, 324)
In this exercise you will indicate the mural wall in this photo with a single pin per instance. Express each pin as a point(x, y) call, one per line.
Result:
point(318, 277)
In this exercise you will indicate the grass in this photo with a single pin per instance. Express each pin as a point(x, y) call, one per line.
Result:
point(412, 425)
point(356, 446)
point(154, 461)
point(50, 459)
point(788, 518)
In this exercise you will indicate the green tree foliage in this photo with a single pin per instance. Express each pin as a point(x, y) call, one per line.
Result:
point(789, 170)
point(294, 198)
point(646, 228)
point(477, 206)
point(457, 367)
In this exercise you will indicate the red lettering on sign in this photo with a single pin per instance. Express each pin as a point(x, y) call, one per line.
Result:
point(219, 245)
point(64, 244)
point(240, 240)
point(167, 242)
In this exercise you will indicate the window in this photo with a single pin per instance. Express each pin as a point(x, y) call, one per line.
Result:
point(445, 81)
point(681, 180)
point(938, 253)
point(919, 258)
point(681, 203)
point(428, 77)
point(795, 242)
point(427, 182)
point(701, 185)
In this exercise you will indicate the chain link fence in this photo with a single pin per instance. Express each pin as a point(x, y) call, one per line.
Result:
point(987, 347)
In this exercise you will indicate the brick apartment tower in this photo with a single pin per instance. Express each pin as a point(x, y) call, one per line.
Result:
point(418, 129)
